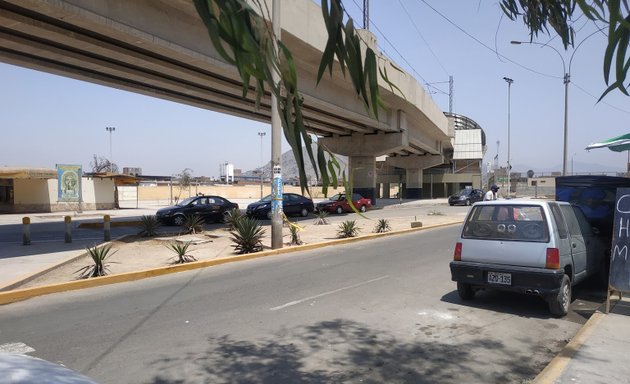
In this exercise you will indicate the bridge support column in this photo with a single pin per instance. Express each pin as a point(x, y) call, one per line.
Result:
point(385, 194)
point(413, 165)
point(363, 171)
point(413, 180)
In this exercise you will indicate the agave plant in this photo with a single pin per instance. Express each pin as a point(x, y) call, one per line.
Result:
point(231, 217)
point(348, 229)
point(295, 235)
point(181, 251)
point(149, 225)
point(193, 224)
point(100, 266)
point(382, 226)
point(321, 218)
point(247, 235)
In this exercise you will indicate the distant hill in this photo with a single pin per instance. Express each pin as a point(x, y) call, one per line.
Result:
point(290, 169)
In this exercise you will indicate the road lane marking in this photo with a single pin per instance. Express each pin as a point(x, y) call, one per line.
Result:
point(19, 348)
point(291, 303)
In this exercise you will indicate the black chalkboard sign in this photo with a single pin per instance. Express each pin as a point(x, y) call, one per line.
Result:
point(619, 279)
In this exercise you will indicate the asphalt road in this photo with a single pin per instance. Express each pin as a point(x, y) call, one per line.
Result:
point(375, 311)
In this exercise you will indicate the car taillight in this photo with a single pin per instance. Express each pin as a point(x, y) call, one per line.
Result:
point(457, 255)
point(553, 258)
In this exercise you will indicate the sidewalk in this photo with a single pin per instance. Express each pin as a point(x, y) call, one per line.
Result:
point(598, 353)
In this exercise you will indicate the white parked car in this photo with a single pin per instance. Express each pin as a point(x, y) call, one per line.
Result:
point(533, 247)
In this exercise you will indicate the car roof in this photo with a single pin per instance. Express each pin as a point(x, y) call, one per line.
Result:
point(521, 202)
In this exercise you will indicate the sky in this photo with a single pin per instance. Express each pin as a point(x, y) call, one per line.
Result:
point(48, 120)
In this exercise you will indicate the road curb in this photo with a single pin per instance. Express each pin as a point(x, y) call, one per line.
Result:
point(7, 297)
point(559, 363)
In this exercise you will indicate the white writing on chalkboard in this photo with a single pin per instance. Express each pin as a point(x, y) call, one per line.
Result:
point(622, 252)
point(623, 228)
point(619, 203)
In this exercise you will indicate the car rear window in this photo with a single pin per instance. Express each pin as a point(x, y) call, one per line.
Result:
point(507, 222)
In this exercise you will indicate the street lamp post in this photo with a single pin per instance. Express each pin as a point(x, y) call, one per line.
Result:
point(566, 80)
point(509, 166)
point(261, 134)
point(111, 159)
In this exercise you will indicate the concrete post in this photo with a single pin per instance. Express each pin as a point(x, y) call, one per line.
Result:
point(107, 228)
point(386, 188)
point(26, 231)
point(413, 184)
point(68, 223)
point(363, 176)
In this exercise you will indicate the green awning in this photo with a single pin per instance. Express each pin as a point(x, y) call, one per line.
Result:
point(617, 144)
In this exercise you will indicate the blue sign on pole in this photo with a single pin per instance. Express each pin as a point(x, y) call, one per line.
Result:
point(276, 202)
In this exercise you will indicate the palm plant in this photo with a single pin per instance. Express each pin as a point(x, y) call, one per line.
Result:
point(321, 218)
point(348, 229)
point(231, 217)
point(149, 225)
point(382, 226)
point(247, 235)
point(100, 266)
point(181, 251)
point(193, 224)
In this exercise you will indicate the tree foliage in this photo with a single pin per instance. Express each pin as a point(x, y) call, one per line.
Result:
point(100, 164)
point(244, 38)
point(539, 15)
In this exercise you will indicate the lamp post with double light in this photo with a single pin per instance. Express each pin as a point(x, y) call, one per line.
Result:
point(566, 80)
point(262, 169)
point(111, 159)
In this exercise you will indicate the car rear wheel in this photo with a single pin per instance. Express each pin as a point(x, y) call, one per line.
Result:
point(559, 304)
point(363, 208)
point(467, 201)
point(304, 212)
point(465, 291)
point(269, 215)
point(339, 210)
point(179, 220)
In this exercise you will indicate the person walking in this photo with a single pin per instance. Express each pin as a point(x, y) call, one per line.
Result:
point(492, 193)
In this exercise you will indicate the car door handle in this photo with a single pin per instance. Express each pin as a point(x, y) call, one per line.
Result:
point(574, 245)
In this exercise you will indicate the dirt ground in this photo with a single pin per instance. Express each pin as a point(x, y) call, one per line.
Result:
point(134, 253)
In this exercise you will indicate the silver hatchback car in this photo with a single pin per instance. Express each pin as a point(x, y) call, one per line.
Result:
point(533, 247)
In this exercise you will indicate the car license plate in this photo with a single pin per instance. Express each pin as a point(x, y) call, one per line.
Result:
point(500, 278)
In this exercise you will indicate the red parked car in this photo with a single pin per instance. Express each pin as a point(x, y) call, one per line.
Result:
point(339, 204)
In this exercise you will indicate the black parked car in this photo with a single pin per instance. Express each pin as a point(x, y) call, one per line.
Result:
point(210, 208)
point(292, 204)
point(466, 196)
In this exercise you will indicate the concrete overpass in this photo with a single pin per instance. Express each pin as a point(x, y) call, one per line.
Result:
point(161, 48)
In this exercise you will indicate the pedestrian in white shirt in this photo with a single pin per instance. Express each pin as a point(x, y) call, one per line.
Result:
point(492, 193)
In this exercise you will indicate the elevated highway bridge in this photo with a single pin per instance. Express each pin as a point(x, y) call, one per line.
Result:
point(161, 48)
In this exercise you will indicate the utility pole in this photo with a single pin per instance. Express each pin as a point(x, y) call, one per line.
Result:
point(111, 158)
point(509, 166)
point(276, 142)
point(450, 94)
point(262, 169)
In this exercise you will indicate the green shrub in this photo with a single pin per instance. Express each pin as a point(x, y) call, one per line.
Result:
point(348, 229)
point(193, 224)
point(148, 225)
point(321, 218)
point(181, 251)
point(382, 226)
point(247, 235)
point(99, 257)
point(231, 217)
